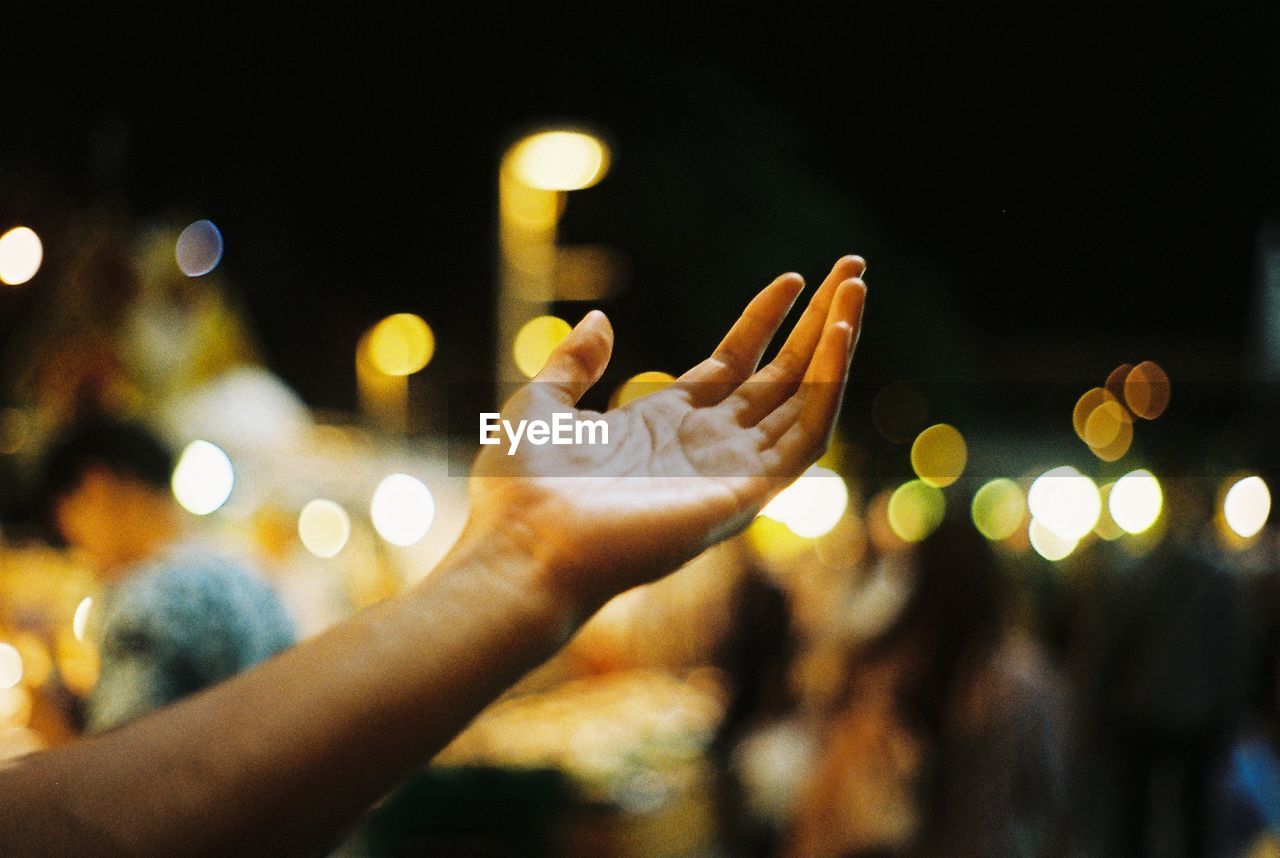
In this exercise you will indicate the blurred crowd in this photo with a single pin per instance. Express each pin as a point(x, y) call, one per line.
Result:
point(856, 694)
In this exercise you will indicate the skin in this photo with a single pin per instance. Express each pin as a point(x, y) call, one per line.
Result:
point(282, 759)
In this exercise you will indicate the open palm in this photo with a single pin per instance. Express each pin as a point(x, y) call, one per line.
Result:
point(683, 467)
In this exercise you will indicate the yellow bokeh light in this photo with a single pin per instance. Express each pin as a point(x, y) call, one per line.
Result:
point(1066, 502)
point(324, 527)
point(999, 509)
point(915, 510)
point(1049, 544)
point(21, 253)
point(939, 454)
point(203, 478)
point(402, 509)
point(1246, 506)
point(1109, 431)
point(559, 160)
point(80, 622)
point(536, 341)
point(1135, 501)
point(37, 663)
point(640, 385)
point(774, 541)
point(15, 707)
point(812, 505)
point(1106, 528)
point(10, 665)
point(401, 344)
point(1085, 406)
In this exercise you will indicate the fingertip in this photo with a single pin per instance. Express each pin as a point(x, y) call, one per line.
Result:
point(854, 263)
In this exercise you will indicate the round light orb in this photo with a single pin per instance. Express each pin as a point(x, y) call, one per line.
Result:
point(1049, 544)
point(812, 505)
point(199, 248)
point(998, 509)
point(1247, 506)
point(1135, 501)
point(915, 510)
point(324, 527)
point(559, 160)
point(203, 478)
point(640, 385)
point(535, 342)
point(939, 454)
point(21, 253)
point(401, 344)
point(402, 509)
point(1066, 502)
point(10, 665)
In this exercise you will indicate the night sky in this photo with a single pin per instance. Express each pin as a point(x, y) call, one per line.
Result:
point(1041, 196)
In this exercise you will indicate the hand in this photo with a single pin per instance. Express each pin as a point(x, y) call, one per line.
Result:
point(683, 467)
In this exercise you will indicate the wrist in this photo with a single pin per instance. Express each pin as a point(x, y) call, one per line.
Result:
point(509, 566)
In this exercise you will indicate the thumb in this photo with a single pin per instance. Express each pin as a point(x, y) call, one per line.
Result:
point(580, 359)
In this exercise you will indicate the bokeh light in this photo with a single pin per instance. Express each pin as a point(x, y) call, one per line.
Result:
point(80, 622)
point(324, 527)
point(999, 509)
point(402, 509)
point(1047, 543)
point(536, 341)
point(939, 454)
point(401, 344)
point(1147, 390)
point(203, 478)
point(1085, 406)
point(37, 663)
point(1246, 506)
point(640, 385)
point(21, 253)
point(199, 248)
point(1106, 528)
point(915, 510)
point(1115, 381)
point(10, 665)
point(811, 505)
point(560, 160)
point(1109, 430)
point(1066, 502)
point(1135, 501)
point(15, 707)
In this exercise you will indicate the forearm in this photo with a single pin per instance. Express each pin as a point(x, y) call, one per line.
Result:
point(281, 759)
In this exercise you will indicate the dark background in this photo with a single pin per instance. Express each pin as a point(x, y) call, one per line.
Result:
point(1042, 195)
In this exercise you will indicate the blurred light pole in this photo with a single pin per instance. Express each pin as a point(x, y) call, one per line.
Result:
point(534, 178)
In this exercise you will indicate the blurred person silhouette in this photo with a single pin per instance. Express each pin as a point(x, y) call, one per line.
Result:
point(176, 615)
point(1248, 784)
point(1163, 689)
point(949, 736)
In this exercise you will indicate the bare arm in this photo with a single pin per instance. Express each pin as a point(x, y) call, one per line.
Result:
point(282, 759)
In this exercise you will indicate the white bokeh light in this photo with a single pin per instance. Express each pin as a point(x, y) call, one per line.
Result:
point(203, 478)
point(1135, 501)
point(402, 509)
point(1246, 506)
point(1066, 502)
point(199, 248)
point(10, 666)
point(21, 253)
point(324, 527)
point(812, 505)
